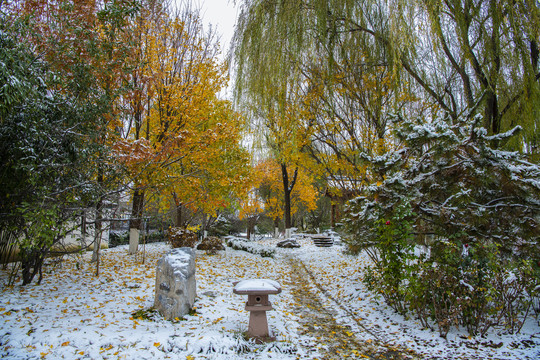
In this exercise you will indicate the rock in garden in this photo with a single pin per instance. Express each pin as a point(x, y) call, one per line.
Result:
point(288, 244)
point(211, 243)
point(175, 283)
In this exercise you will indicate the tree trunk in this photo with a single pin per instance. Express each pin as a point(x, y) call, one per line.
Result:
point(178, 204)
point(492, 113)
point(334, 214)
point(179, 215)
point(287, 190)
point(535, 53)
point(248, 232)
point(136, 220)
point(31, 264)
point(137, 210)
point(204, 223)
point(287, 198)
point(83, 228)
point(97, 236)
point(97, 226)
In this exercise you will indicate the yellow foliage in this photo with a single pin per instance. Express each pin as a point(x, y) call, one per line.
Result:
point(303, 196)
point(251, 205)
point(185, 141)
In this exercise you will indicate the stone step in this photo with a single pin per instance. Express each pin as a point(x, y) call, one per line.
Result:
point(323, 241)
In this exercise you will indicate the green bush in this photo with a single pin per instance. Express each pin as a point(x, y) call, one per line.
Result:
point(453, 284)
point(394, 249)
point(117, 238)
point(155, 236)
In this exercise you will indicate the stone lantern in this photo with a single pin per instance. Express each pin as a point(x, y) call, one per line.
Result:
point(258, 304)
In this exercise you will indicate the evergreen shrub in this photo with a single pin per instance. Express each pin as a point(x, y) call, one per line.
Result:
point(452, 228)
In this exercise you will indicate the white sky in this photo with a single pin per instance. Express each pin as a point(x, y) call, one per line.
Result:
point(221, 14)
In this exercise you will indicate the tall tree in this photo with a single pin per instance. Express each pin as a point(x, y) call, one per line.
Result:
point(186, 139)
point(302, 197)
point(471, 55)
point(65, 121)
point(484, 55)
point(269, 88)
point(336, 91)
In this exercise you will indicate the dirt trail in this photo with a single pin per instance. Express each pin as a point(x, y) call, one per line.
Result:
point(337, 341)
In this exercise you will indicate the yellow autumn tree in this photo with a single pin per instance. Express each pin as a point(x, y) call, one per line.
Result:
point(303, 195)
point(252, 205)
point(183, 142)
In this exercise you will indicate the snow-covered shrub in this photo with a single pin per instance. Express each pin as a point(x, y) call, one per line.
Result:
point(476, 208)
point(454, 286)
point(254, 248)
point(211, 244)
point(220, 227)
point(457, 185)
point(180, 237)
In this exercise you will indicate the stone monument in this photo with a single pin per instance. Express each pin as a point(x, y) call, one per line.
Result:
point(175, 283)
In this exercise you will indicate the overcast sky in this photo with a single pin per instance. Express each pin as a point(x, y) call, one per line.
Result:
point(221, 14)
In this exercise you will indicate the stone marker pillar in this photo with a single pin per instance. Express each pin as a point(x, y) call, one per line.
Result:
point(288, 233)
point(175, 283)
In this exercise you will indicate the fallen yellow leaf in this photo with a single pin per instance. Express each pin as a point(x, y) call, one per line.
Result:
point(217, 320)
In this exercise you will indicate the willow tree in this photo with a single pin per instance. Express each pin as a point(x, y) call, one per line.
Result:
point(478, 57)
point(458, 58)
point(268, 50)
point(317, 91)
point(464, 57)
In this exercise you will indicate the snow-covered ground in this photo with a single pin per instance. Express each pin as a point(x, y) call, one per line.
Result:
point(75, 315)
point(340, 275)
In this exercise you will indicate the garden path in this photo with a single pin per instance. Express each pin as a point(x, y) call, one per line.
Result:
point(317, 311)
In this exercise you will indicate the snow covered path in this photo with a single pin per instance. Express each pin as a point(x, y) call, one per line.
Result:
point(74, 315)
point(336, 340)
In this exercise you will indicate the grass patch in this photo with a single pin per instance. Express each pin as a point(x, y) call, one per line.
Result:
point(150, 314)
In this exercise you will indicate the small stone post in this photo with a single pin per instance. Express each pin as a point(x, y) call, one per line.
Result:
point(133, 240)
point(257, 291)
